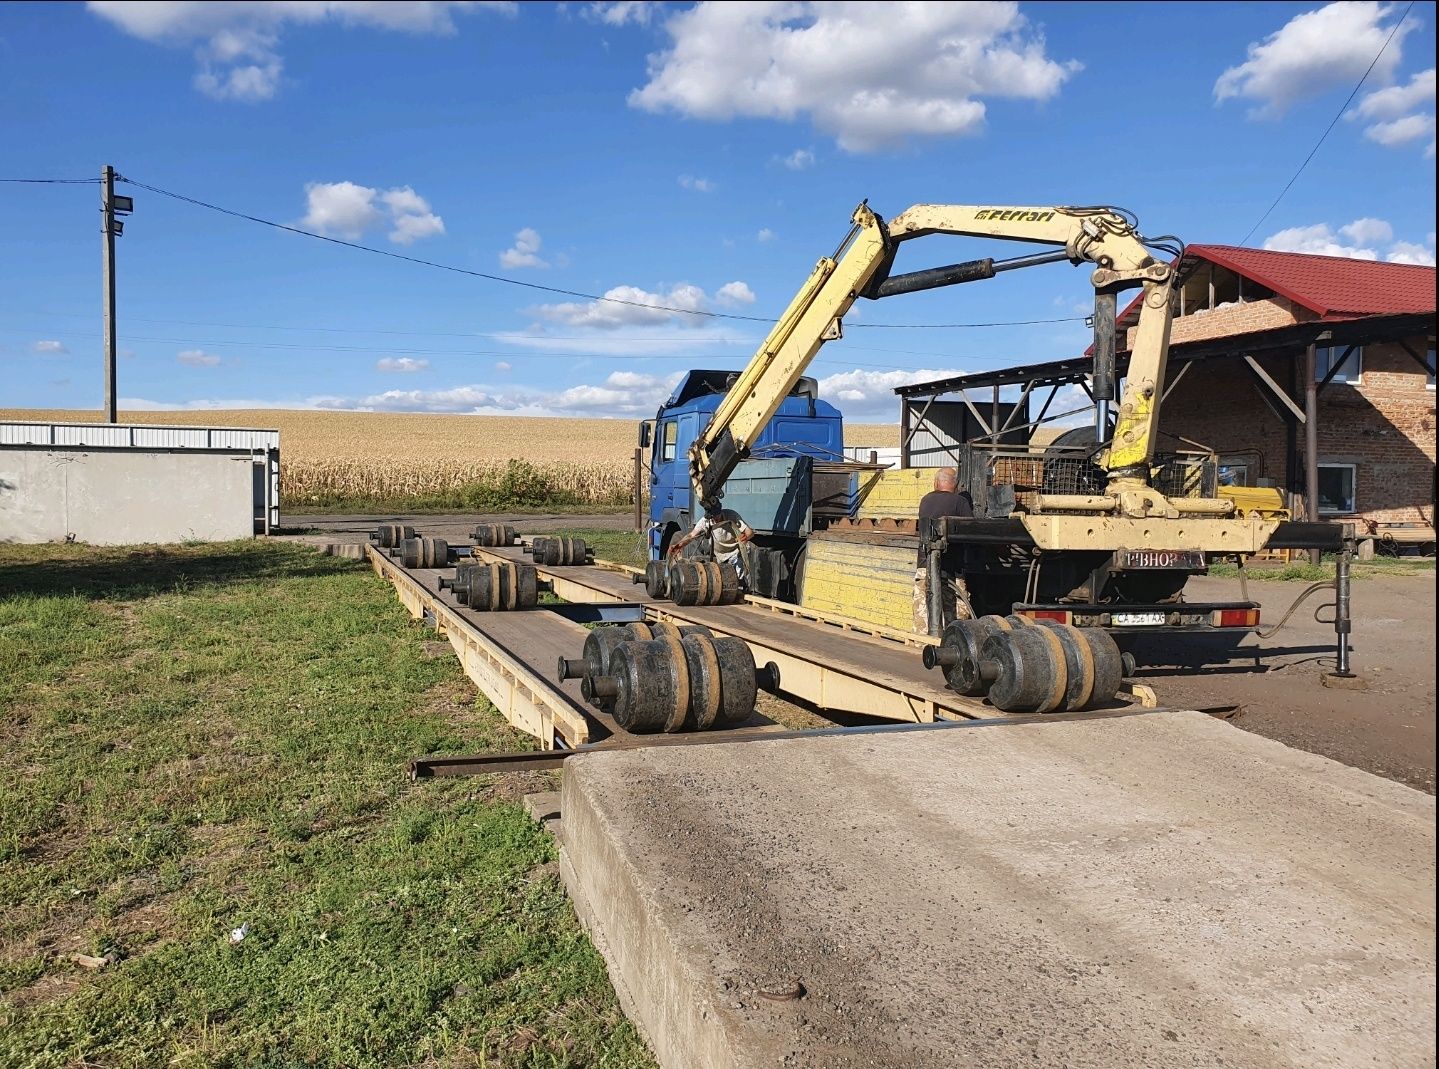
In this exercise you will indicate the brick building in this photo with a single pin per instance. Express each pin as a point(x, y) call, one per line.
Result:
point(1271, 350)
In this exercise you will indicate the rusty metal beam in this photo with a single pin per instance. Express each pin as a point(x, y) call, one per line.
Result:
point(1278, 391)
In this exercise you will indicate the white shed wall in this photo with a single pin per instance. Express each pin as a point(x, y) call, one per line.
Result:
point(121, 497)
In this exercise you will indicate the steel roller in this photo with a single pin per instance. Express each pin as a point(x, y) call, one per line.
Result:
point(424, 553)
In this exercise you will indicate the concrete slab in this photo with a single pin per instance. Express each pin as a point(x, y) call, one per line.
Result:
point(543, 806)
point(1154, 890)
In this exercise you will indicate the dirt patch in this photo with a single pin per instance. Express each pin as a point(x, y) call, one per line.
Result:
point(513, 786)
point(1387, 728)
point(795, 717)
point(47, 989)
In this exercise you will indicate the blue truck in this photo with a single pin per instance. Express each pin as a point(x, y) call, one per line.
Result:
point(794, 481)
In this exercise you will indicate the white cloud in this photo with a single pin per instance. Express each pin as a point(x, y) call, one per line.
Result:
point(1313, 52)
point(871, 75)
point(869, 395)
point(699, 341)
point(620, 12)
point(145, 404)
point(1368, 231)
point(630, 306)
point(348, 210)
point(410, 216)
point(1397, 100)
point(765, 234)
point(1402, 131)
point(50, 348)
point(699, 185)
point(1317, 240)
point(1409, 252)
point(343, 209)
point(799, 159)
point(404, 364)
point(503, 365)
point(197, 358)
point(1365, 239)
point(625, 394)
point(734, 293)
point(525, 252)
point(1401, 113)
point(239, 64)
point(236, 41)
point(862, 395)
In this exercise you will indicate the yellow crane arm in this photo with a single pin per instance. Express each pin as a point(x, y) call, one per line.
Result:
point(861, 268)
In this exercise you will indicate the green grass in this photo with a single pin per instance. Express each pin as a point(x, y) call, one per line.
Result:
point(198, 738)
point(1315, 573)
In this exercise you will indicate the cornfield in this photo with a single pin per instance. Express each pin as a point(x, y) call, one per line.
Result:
point(355, 460)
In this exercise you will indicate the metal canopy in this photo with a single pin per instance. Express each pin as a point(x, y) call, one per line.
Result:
point(1291, 340)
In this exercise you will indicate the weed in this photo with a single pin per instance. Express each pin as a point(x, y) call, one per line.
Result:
point(200, 740)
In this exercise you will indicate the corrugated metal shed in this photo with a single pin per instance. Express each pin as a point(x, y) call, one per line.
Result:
point(137, 436)
point(261, 447)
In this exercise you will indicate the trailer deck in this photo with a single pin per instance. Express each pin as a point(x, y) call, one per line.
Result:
point(830, 663)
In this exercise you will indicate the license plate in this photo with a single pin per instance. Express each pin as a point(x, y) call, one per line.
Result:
point(1129, 559)
point(1137, 619)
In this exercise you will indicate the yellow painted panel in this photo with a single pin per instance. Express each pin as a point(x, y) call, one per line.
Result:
point(894, 492)
point(872, 583)
point(1249, 500)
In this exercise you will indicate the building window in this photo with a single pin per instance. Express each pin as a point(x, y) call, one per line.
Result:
point(669, 435)
point(1336, 489)
point(1233, 474)
point(1429, 362)
point(1326, 356)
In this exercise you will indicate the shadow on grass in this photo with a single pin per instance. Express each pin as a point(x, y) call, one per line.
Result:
point(124, 573)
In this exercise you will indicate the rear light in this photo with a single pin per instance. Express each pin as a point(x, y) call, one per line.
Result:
point(1057, 615)
point(1235, 618)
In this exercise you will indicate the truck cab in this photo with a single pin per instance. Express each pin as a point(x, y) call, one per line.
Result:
point(803, 427)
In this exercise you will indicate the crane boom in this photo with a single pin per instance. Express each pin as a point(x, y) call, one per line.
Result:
point(860, 267)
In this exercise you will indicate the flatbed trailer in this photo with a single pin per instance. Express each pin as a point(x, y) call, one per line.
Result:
point(830, 663)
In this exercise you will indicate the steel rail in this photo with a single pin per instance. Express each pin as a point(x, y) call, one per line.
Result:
point(442, 766)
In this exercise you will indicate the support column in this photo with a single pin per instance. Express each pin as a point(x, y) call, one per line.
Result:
point(1311, 443)
point(904, 432)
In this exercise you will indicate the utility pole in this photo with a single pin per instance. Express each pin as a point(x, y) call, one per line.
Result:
point(110, 229)
point(107, 281)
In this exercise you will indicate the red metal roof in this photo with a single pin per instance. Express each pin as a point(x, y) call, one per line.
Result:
point(1333, 287)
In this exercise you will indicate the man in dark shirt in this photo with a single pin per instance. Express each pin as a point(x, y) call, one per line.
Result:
point(946, 499)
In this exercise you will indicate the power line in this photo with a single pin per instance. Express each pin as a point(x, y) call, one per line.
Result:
point(503, 354)
point(435, 264)
point(1332, 123)
point(555, 289)
point(51, 181)
point(514, 337)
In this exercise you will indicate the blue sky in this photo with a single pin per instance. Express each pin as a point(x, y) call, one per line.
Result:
point(701, 156)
